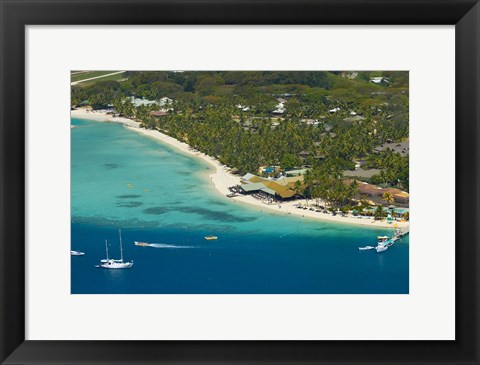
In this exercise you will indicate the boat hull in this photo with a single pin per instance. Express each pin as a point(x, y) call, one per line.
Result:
point(115, 265)
point(366, 248)
point(77, 253)
point(142, 244)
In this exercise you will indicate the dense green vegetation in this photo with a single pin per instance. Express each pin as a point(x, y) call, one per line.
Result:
point(329, 120)
point(325, 182)
point(394, 168)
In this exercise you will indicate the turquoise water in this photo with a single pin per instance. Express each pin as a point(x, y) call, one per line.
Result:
point(121, 179)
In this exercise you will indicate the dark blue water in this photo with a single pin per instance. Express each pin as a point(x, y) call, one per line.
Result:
point(121, 179)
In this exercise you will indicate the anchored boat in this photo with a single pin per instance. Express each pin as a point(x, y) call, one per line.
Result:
point(366, 248)
point(384, 242)
point(77, 253)
point(113, 263)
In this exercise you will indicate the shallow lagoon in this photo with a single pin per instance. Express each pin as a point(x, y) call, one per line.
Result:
point(121, 179)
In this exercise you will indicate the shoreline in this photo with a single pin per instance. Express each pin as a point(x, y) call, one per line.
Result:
point(222, 179)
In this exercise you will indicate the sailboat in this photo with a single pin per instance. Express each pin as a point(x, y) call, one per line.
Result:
point(112, 263)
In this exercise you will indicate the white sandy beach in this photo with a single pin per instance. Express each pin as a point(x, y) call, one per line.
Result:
point(222, 179)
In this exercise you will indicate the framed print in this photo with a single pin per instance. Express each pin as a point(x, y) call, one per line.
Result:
point(239, 182)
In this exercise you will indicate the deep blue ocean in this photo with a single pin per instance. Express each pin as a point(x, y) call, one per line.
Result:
point(122, 179)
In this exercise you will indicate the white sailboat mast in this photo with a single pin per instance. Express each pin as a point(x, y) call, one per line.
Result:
point(121, 248)
point(106, 248)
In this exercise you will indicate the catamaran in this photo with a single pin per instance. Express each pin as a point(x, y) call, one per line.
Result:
point(113, 263)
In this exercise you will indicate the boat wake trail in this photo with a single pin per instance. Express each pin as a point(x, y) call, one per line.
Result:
point(366, 248)
point(164, 245)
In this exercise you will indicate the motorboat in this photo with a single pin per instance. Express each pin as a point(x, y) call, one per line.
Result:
point(366, 248)
point(384, 244)
point(381, 248)
point(77, 253)
point(211, 238)
point(382, 239)
point(143, 244)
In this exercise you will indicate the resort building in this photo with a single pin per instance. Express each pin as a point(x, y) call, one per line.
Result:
point(379, 80)
point(368, 189)
point(375, 191)
point(139, 102)
point(158, 113)
point(165, 101)
point(289, 181)
point(243, 107)
point(276, 189)
point(279, 109)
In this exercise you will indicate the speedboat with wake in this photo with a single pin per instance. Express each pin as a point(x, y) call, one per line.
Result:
point(142, 244)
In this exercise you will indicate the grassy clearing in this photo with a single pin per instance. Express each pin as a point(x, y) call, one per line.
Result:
point(87, 75)
point(117, 77)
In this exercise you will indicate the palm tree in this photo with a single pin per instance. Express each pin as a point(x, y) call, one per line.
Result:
point(298, 188)
point(379, 213)
point(388, 197)
point(353, 189)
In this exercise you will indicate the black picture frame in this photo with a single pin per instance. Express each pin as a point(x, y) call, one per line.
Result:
point(15, 15)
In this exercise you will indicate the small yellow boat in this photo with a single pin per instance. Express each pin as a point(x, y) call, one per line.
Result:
point(144, 244)
point(211, 238)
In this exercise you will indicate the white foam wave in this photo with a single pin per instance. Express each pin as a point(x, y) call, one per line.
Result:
point(164, 245)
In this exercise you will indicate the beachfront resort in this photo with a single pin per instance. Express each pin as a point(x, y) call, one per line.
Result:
point(332, 143)
point(240, 182)
point(368, 201)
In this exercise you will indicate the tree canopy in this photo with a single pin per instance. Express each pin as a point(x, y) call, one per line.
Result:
point(329, 120)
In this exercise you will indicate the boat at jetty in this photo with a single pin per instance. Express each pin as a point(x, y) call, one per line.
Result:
point(143, 244)
point(381, 239)
point(384, 242)
point(383, 246)
point(113, 263)
point(77, 253)
point(211, 238)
